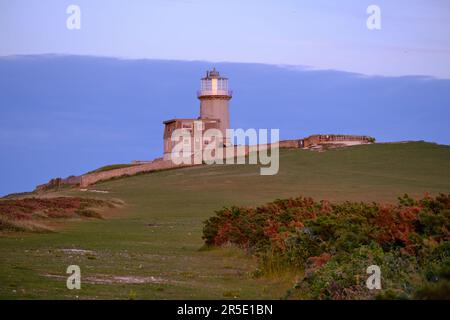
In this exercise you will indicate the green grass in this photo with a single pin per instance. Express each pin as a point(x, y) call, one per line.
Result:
point(158, 233)
point(112, 167)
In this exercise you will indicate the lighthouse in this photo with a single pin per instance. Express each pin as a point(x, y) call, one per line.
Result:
point(214, 97)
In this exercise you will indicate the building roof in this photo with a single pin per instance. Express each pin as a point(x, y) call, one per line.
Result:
point(178, 119)
point(190, 119)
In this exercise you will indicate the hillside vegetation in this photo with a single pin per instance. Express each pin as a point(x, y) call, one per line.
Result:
point(334, 244)
point(38, 214)
point(154, 248)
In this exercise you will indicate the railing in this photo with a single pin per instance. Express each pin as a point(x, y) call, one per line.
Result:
point(338, 137)
point(201, 93)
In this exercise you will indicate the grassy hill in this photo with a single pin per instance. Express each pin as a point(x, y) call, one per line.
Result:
point(152, 247)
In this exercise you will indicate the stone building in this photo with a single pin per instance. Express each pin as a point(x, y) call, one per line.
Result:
point(214, 97)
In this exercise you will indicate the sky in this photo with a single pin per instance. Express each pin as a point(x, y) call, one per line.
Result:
point(414, 38)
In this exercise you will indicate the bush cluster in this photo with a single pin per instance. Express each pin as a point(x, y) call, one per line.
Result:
point(333, 244)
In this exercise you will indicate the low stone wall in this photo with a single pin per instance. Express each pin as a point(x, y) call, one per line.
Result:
point(160, 164)
point(59, 182)
point(343, 139)
point(92, 178)
point(291, 144)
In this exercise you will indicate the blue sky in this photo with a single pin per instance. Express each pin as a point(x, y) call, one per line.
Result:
point(323, 34)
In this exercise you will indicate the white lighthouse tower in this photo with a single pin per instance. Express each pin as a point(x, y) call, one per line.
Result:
point(214, 97)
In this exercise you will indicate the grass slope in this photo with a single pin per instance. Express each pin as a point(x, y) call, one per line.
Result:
point(112, 167)
point(158, 233)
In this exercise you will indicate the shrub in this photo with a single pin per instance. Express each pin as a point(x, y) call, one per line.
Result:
point(88, 213)
point(335, 243)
